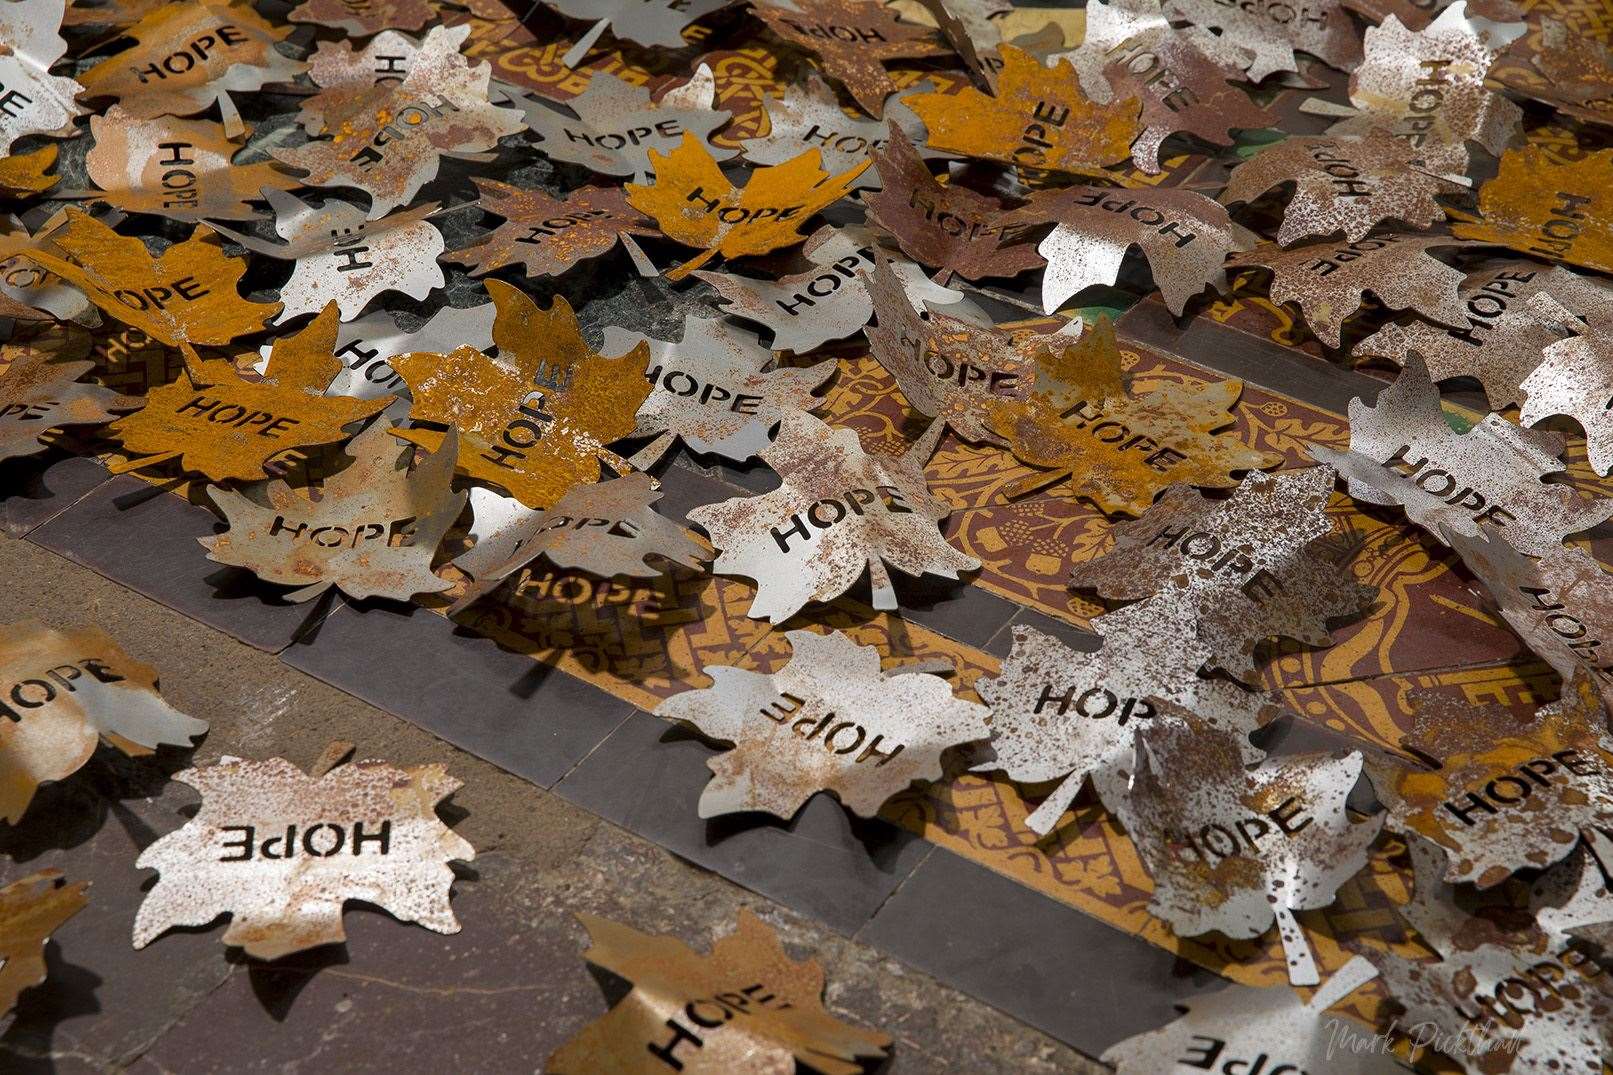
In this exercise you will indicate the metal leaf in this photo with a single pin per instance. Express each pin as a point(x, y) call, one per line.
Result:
point(852, 39)
point(37, 101)
point(364, 19)
point(1574, 900)
point(1578, 72)
point(40, 391)
point(1404, 452)
point(66, 691)
point(1548, 208)
point(616, 123)
point(709, 389)
point(1269, 31)
point(22, 174)
point(830, 300)
point(1185, 236)
point(1261, 563)
point(1574, 377)
point(347, 77)
point(809, 116)
point(281, 852)
point(971, 29)
point(652, 23)
point(372, 531)
point(31, 909)
point(776, 1022)
point(829, 720)
point(837, 513)
point(1327, 280)
point(546, 235)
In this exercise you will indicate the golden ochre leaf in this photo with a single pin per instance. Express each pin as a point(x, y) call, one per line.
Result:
point(25, 173)
point(1559, 211)
point(31, 908)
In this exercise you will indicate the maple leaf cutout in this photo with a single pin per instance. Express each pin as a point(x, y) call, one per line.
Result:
point(1547, 208)
point(829, 720)
point(217, 423)
point(783, 1021)
point(40, 391)
point(837, 512)
point(372, 532)
point(31, 909)
point(393, 853)
point(1188, 797)
point(809, 115)
point(1578, 72)
point(1185, 236)
point(546, 235)
point(710, 390)
point(695, 204)
point(364, 19)
point(1174, 433)
point(1038, 120)
point(1403, 452)
point(350, 79)
point(1260, 564)
point(393, 144)
point(653, 23)
point(1574, 377)
point(1267, 35)
point(37, 101)
point(1327, 281)
point(96, 691)
point(852, 40)
point(22, 174)
point(535, 421)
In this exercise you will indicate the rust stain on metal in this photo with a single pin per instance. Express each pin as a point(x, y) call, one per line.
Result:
point(31, 909)
point(1548, 208)
point(40, 392)
point(546, 235)
point(852, 40)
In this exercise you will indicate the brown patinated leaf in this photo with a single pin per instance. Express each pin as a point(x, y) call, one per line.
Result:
point(370, 530)
point(36, 101)
point(22, 174)
point(1342, 183)
point(1185, 236)
point(829, 720)
point(1578, 71)
point(1574, 377)
point(393, 143)
point(364, 18)
point(774, 1020)
point(1327, 281)
point(838, 513)
point(182, 169)
point(1038, 120)
point(111, 12)
point(949, 227)
point(349, 78)
point(31, 909)
point(537, 420)
point(1561, 211)
point(1116, 448)
point(61, 693)
point(852, 39)
point(695, 204)
point(1260, 564)
point(217, 423)
point(281, 852)
point(546, 235)
point(1404, 452)
point(40, 391)
point(1268, 32)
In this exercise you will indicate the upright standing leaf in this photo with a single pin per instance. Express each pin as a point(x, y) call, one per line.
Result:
point(809, 116)
point(852, 40)
point(837, 513)
point(545, 235)
point(31, 909)
point(36, 101)
point(536, 420)
point(281, 852)
point(1549, 209)
point(829, 720)
point(1574, 377)
point(41, 391)
point(1268, 32)
point(366, 18)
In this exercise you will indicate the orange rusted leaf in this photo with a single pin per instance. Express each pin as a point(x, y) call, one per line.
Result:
point(40, 391)
point(61, 693)
point(852, 39)
point(776, 1020)
point(112, 12)
point(221, 425)
point(366, 17)
point(537, 420)
point(1038, 120)
point(696, 205)
point(281, 852)
point(1578, 72)
point(1559, 211)
point(31, 909)
point(25, 173)
point(546, 235)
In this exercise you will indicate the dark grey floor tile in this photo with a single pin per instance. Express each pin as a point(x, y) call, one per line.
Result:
point(1076, 638)
point(34, 489)
point(647, 777)
point(522, 715)
point(1049, 965)
point(145, 538)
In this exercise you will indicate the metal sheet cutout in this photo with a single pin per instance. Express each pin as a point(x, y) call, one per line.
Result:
point(38, 102)
point(1269, 32)
point(809, 116)
point(31, 909)
point(546, 235)
point(1546, 207)
point(40, 391)
point(852, 39)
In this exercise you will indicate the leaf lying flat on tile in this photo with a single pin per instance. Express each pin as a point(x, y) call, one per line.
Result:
point(31, 909)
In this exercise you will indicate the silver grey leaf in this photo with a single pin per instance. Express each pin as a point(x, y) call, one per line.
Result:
point(809, 116)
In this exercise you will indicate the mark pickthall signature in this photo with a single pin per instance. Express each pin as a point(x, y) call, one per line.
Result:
point(1345, 1037)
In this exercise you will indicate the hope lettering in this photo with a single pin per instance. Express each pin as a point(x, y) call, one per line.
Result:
point(363, 361)
point(1280, 13)
point(544, 230)
point(849, 34)
point(158, 297)
point(396, 532)
point(1215, 842)
point(1341, 172)
point(709, 1013)
point(217, 412)
point(178, 180)
point(45, 687)
point(408, 119)
point(1105, 430)
point(1554, 617)
point(1204, 547)
point(1343, 255)
point(739, 214)
point(1426, 98)
point(827, 512)
point(641, 600)
point(1034, 141)
point(1508, 790)
point(827, 282)
point(195, 51)
point(1205, 1053)
point(27, 412)
point(1485, 307)
point(1145, 215)
point(634, 136)
point(1094, 702)
point(679, 383)
point(1442, 485)
point(786, 706)
point(320, 840)
point(525, 431)
point(1534, 990)
point(12, 102)
point(1556, 236)
point(1152, 71)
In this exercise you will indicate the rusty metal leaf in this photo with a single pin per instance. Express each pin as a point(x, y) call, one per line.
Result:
point(1347, 183)
point(696, 205)
point(1083, 424)
point(1578, 72)
point(709, 389)
point(1232, 848)
point(652, 23)
point(40, 391)
point(1260, 564)
point(393, 143)
point(348, 78)
point(830, 300)
point(535, 421)
point(546, 235)
point(1328, 280)
point(838, 512)
point(22, 174)
point(950, 227)
point(264, 849)
point(368, 345)
point(1038, 120)
point(1427, 87)
point(1268, 32)
point(366, 18)
point(109, 12)
point(1574, 377)
point(219, 424)
point(65, 691)
point(1179, 75)
point(1574, 900)
point(852, 39)
point(37, 101)
point(371, 530)
point(182, 169)
point(31, 909)
point(616, 123)
point(780, 1021)
point(1404, 452)
point(970, 28)
point(1185, 236)
point(809, 116)
point(1548, 208)
point(829, 720)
